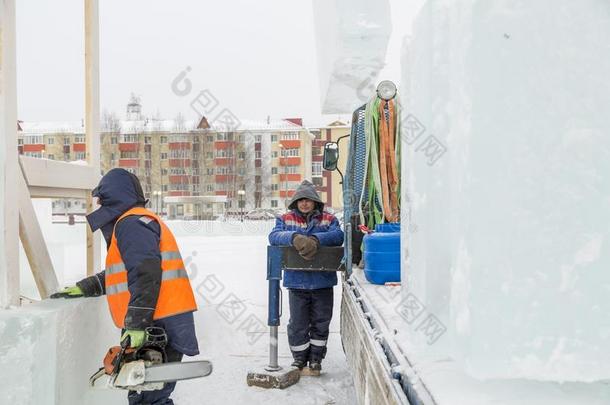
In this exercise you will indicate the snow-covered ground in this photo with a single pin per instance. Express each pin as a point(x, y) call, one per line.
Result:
point(226, 262)
point(228, 274)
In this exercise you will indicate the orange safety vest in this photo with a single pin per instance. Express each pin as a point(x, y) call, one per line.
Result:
point(175, 295)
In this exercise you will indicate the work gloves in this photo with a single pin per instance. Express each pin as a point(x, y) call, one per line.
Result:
point(307, 246)
point(136, 337)
point(69, 292)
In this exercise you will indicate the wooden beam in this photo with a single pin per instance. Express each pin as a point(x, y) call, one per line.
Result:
point(9, 223)
point(92, 119)
point(54, 174)
point(34, 244)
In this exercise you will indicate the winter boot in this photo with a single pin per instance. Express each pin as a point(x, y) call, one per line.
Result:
point(299, 364)
point(315, 366)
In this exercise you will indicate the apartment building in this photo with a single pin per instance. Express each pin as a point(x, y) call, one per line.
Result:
point(196, 170)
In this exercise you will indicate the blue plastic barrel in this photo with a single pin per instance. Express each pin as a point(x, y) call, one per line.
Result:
point(382, 254)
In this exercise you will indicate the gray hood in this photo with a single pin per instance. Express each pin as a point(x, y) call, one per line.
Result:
point(306, 190)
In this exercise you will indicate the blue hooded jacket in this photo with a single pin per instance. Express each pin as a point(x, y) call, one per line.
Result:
point(318, 223)
point(138, 241)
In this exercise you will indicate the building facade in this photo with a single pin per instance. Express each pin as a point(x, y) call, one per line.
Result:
point(197, 170)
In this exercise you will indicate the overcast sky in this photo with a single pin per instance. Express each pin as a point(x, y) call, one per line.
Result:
point(257, 58)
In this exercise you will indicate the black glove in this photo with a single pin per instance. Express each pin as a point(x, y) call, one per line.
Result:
point(307, 246)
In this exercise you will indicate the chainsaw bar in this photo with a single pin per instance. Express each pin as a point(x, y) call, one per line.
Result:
point(169, 372)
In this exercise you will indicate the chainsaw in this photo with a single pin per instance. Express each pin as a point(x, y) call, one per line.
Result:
point(145, 368)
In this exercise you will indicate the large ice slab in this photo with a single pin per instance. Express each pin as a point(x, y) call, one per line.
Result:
point(351, 41)
point(48, 351)
point(508, 180)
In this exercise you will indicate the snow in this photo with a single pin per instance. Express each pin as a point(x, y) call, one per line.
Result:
point(510, 250)
point(48, 350)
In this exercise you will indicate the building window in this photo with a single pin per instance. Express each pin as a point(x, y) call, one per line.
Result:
point(50, 141)
point(79, 156)
point(180, 154)
point(210, 172)
point(66, 157)
point(209, 138)
point(129, 155)
point(274, 138)
point(318, 181)
point(241, 155)
point(177, 171)
point(273, 203)
point(258, 138)
point(164, 139)
point(291, 152)
point(316, 133)
point(209, 187)
point(316, 169)
point(275, 187)
point(290, 136)
point(112, 157)
point(66, 140)
point(164, 187)
point(79, 139)
point(163, 155)
point(274, 154)
point(34, 139)
point(292, 169)
point(316, 151)
point(224, 136)
point(224, 170)
point(147, 140)
point(224, 153)
point(164, 172)
point(257, 154)
point(129, 138)
point(51, 157)
point(114, 140)
point(274, 170)
point(179, 138)
point(209, 155)
point(33, 154)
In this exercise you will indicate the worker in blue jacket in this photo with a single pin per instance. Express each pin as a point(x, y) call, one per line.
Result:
point(306, 227)
point(137, 238)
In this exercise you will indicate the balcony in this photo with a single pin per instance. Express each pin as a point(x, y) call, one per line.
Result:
point(222, 161)
point(290, 177)
point(33, 147)
point(291, 144)
point(127, 147)
point(224, 178)
point(290, 161)
point(179, 179)
point(128, 162)
point(286, 194)
point(224, 145)
point(180, 162)
point(179, 146)
point(79, 147)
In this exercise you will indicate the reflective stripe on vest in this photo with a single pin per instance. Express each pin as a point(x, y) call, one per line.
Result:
point(175, 294)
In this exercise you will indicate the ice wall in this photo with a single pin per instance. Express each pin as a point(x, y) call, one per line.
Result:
point(351, 41)
point(507, 177)
point(48, 351)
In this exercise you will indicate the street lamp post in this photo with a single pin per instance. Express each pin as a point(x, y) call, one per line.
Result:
point(157, 195)
point(241, 194)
